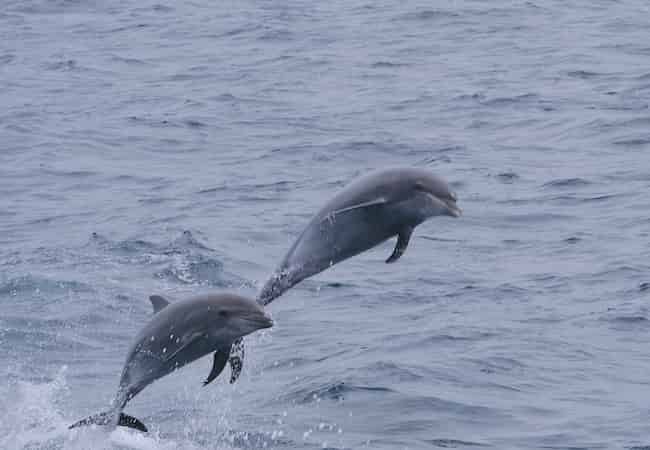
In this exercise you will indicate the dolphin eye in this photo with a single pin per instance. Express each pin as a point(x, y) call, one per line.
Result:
point(223, 313)
point(419, 186)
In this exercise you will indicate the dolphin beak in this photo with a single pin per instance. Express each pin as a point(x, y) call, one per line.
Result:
point(447, 205)
point(261, 321)
point(453, 209)
point(268, 322)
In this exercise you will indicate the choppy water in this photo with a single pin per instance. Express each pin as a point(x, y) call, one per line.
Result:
point(179, 147)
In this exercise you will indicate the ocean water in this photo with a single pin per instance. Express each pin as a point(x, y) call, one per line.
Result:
point(179, 147)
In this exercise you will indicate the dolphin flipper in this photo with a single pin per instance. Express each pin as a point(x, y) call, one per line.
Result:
point(403, 238)
point(220, 360)
point(236, 359)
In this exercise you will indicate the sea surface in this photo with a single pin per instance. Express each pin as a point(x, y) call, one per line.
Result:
point(179, 148)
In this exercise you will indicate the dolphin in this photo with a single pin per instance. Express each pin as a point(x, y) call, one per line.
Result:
point(364, 214)
point(179, 333)
point(367, 212)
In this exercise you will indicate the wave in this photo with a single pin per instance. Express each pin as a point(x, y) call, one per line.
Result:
point(184, 260)
point(336, 390)
point(454, 443)
point(562, 183)
point(33, 284)
point(35, 417)
point(427, 15)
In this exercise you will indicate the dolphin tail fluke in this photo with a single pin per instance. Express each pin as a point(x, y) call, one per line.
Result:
point(281, 281)
point(103, 418)
point(131, 422)
point(236, 359)
point(107, 418)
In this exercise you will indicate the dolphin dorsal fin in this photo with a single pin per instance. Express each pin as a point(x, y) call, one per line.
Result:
point(158, 302)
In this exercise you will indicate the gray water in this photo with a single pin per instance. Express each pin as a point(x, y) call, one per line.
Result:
point(180, 147)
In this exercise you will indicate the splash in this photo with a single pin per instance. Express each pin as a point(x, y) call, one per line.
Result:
point(33, 418)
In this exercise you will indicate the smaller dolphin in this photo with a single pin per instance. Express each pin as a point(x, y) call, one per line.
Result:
point(179, 333)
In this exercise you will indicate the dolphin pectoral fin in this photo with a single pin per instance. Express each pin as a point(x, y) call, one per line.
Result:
point(220, 360)
point(236, 359)
point(375, 202)
point(158, 302)
point(403, 238)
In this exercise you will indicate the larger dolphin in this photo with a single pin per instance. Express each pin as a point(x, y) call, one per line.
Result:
point(365, 213)
point(178, 334)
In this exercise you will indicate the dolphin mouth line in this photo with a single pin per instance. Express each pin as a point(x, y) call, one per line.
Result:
point(450, 204)
point(261, 321)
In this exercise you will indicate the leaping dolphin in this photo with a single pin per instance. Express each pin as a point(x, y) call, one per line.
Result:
point(365, 213)
point(179, 333)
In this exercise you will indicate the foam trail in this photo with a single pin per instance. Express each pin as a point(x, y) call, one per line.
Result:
point(31, 416)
